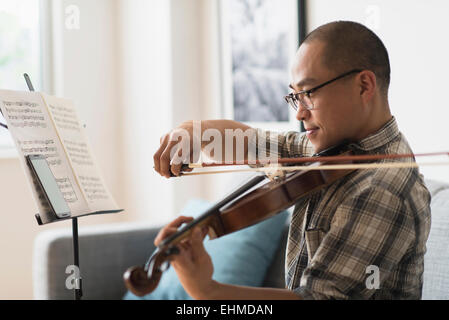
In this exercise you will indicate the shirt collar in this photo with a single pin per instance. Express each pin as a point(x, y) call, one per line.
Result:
point(378, 139)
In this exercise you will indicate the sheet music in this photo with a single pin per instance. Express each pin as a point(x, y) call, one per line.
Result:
point(82, 160)
point(24, 111)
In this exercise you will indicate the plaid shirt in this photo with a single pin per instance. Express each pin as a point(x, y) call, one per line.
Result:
point(369, 220)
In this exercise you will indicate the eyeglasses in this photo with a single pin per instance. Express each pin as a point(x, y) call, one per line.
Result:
point(303, 97)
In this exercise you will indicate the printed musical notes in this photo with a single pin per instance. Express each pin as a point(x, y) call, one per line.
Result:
point(64, 117)
point(17, 114)
point(93, 187)
point(67, 190)
point(79, 153)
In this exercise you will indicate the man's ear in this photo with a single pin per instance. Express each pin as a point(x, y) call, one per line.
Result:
point(368, 84)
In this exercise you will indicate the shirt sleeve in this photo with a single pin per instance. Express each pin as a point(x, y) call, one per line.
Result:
point(370, 231)
point(269, 145)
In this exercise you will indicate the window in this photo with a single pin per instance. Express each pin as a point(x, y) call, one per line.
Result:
point(20, 50)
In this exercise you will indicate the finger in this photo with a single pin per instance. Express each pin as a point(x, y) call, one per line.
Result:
point(184, 246)
point(164, 233)
point(183, 258)
point(181, 251)
point(204, 231)
point(157, 155)
point(179, 221)
point(176, 168)
point(197, 247)
point(165, 159)
point(171, 228)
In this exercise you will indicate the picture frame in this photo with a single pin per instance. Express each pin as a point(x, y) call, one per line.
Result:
point(259, 39)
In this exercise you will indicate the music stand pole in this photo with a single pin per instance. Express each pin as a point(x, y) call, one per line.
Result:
point(78, 287)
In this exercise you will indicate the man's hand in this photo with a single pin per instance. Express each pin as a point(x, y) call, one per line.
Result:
point(192, 264)
point(194, 268)
point(173, 145)
point(183, 145)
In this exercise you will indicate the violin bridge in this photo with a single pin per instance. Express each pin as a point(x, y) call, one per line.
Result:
point(274, 171)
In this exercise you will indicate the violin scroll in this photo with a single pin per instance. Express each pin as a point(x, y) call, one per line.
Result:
point(137, 281)
point(143, 280)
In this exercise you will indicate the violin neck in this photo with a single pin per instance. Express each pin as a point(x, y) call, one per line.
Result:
point(211, 216)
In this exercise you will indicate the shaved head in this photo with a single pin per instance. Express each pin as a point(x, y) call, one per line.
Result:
point(350, 45)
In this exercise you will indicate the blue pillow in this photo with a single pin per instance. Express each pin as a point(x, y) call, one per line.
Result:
point(240, 258)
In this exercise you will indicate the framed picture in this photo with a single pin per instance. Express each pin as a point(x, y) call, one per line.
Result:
point(259, 39)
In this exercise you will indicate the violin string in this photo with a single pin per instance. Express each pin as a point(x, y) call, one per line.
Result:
point(324, 167)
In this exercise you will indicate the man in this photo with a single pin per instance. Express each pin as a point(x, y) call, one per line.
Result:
point(369, 221)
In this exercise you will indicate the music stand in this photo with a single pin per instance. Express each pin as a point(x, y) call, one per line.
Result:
point(78, 280)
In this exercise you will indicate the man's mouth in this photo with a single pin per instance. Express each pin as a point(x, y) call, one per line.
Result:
point(311, 130)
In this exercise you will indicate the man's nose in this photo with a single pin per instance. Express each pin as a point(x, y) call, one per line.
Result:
point(302, 113)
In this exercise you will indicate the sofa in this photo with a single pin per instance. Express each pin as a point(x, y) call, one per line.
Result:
point(107, 251)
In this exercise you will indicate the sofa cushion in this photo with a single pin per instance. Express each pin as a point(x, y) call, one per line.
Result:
point(240, 258)
point(436, 259)
point(435, 186)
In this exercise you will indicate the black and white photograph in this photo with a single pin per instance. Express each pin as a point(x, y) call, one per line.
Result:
point(258, 39)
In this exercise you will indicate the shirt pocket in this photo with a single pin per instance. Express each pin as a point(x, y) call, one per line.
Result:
point(314, 238)
point(317, 228)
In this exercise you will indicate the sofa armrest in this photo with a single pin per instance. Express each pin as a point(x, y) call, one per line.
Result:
point(105, 253)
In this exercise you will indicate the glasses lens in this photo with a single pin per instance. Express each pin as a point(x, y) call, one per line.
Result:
point(294, 100)
point(305, 101)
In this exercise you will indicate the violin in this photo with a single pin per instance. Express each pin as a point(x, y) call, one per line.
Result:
point(256, 200)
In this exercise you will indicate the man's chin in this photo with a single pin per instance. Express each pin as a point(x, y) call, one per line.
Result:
point(317, 148)
point(320, 146)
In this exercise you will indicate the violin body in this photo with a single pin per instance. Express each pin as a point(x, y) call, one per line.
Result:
point(246, 206)
point(275, 196)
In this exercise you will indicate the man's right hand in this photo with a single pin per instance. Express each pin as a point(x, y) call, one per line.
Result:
point(172, 153)
point(170, 146)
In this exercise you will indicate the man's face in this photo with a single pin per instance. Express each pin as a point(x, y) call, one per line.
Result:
point(337, 114)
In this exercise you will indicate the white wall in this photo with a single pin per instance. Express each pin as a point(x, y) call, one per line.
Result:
point(88, 76)
point(160, 81)
point(144, 77)
point(169, 73)
point(415, 34)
